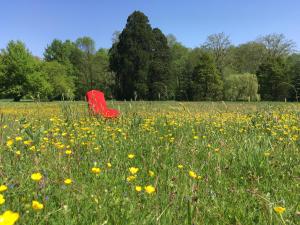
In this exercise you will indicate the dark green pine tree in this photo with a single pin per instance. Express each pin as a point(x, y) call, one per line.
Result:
point(160, 83)
point(273, 79)
point(206, 81)
point(130, 57)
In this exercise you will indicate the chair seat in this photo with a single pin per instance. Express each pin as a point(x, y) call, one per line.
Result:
point(110, 113)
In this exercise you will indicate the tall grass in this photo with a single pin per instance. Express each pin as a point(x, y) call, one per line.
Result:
point(210, 163)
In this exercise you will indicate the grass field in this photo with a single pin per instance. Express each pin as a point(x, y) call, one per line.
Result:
point(160, 163)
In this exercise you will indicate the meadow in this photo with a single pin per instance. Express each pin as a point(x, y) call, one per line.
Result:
point(159, 163)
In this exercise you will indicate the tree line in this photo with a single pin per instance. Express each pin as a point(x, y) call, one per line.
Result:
point(145, 64)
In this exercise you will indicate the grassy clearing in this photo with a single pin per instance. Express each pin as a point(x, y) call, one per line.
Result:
point(209, 163)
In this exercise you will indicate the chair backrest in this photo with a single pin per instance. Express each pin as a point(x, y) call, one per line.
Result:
point(96, 101)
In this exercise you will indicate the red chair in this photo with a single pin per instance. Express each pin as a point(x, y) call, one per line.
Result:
point(97, 104)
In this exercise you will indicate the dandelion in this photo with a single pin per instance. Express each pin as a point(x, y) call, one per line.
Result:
point(279, 209)
point(133, 170)
point(96, 170)
point(131, 156)
point(37, 205)
point(2, 199)
point(138, 188)
point(36, 176)
point(109, 165)
point(196, 137)
point(67, 181)
point(9, 217)
point(3, 188)
point(150, 189)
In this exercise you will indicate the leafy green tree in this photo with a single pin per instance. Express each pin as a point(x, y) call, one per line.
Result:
point(104, 78)
point(206, 81)
point(39, 86)
point(57, 75)
point(273, 79)
point(247, 57)
point(59, 51)
point(241, 87)
point(218, 45)
point(277, 45)
point(17, 65)
point(131, 56)
point(294, 71)
point(161, 84)
point(86, 75)
point(179, 55)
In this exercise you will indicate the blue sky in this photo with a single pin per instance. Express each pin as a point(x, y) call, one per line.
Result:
point(38, 22)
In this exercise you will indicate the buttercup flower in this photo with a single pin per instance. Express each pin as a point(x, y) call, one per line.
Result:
point(131, 156)
point(151, 173)
point(36, 176)
point(9, 218)
point(138, 188)
point(279, 209)
point(2, 199)
point(96, 170)
point(3, 188)
point(180, 166)
point(150, 189)
point(67, 181)
point(36, 205)
point(130, 178)
point(193, 174)
point(133, 170)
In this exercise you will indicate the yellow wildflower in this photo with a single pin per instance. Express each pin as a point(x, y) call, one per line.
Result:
point(18, 152)
point(180, 166)
point(96, 170)
point(109, 165)
point(36, 176)
point(192, 174)
point(130, 178)
point(279, 209)
point(151, 173)
point(67, 181)
point(68, 152)
point(3, 188)
point(19, 138)
point(36, 205)
point(9, 143)
point(138, 188)
point(9, 218)
point(133, 170)
point(150, 189)
point(2, 199)
point(28, 142)
point(131, 156)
